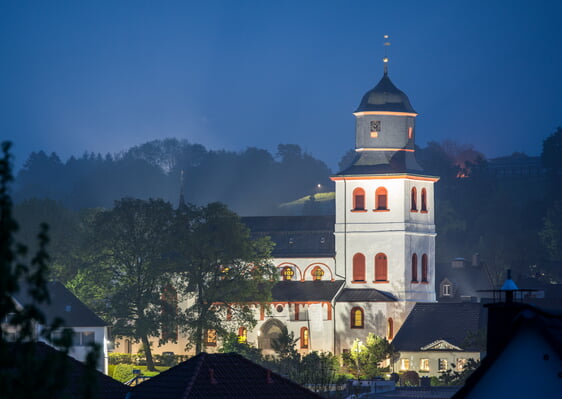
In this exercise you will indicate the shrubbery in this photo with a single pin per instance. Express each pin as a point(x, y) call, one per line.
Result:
point(123, 372)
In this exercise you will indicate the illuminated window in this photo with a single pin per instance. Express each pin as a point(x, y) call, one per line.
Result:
point(242, 335)
point(357, 318)
point(410, 132)
point(211, 338)
point(317, 273)
point(358, 199)
point(359, 267)
point(375, 128)
point(404, 364)
point(381, 199)
point(414, 268)
point(390, 328)
point(423, 200)
point(304, 337)
point(287, 273)
point(381, 267)
point(424, 268)
point(461, 364)
point(413, 199)
point(424, 364)
point(443, 364)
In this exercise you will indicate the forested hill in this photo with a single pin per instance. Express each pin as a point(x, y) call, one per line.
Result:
point(251, 182)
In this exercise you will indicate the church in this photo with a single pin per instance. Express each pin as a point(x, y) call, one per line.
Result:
point(362, 270)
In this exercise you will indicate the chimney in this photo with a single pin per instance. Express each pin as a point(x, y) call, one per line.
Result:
point(501, 316)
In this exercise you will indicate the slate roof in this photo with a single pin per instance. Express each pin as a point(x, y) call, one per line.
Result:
point(549, 325)
point(106, 387)
point(364, 295)
point(296, 236)
point(220, 375)
point(430, 322)
point(467, 281)
point(64, 305)
point(385, 97)
point(303, 291)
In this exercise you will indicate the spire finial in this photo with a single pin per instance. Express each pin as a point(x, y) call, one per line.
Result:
point(385, 59)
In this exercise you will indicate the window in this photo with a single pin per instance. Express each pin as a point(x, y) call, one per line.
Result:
point(414, 200)
point(317, 273)
point(359, 267)
point(375, 128)
point(390, 328)
point(424, 364)
point(304, 338)
point(381, 267)
point(461, 364)
point(404, 364)
point(357, 319)
point(211, 338)
point(242, 335)
point(381, 200)
point(228, 314)
point(358, 199)
point(423, 200)
point(446, 290)
point(287, 273)
point(414, 268)
point(410, 132)
point(443, 364)
point(424, 268)
point(83, 338)
point(296, 314)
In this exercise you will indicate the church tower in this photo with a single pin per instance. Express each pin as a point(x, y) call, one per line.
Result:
point(384, 228)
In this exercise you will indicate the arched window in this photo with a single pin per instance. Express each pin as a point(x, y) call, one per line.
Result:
point(424, 268)
point(381, 199)
point(414, 268)
point(359, 267)
point(357, 318)
point(211, 338)
point(287, 273)
point(242, 335)
point(423, 200)
point(414, 199)
point(304, 338)
point(381, 267)
point(358, 199)
point(317, 273)
point(390, 328)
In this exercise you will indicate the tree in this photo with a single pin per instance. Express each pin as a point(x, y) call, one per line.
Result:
point(364, 359)
point(23, 374)
point(131, 247)
point(221, 267)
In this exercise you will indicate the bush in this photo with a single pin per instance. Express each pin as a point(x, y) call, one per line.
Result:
point(123, 372)
point(410, 379)
point(120, 358)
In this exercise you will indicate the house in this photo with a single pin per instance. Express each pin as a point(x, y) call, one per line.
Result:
point(88, 327)
point(75, 380)
point(462, 280)
point(439, 336)
point(220, 375)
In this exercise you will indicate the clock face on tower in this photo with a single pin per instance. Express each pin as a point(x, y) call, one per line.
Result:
point(375, 128)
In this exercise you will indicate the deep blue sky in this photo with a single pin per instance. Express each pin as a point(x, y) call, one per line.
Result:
point(103, 76)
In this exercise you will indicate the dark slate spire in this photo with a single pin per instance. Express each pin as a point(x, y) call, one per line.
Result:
point(385, 97)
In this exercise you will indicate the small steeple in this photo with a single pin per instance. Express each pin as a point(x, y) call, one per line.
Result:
point(385, 58)
point(181, 204)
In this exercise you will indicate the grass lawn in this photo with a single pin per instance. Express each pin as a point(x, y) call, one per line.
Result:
point(111, 367)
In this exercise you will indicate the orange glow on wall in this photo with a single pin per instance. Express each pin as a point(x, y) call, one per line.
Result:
point(362, 113)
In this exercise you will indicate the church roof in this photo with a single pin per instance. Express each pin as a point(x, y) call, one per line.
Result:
point(296, 236)
point(304, 291)
point(364, 295)
point(385, 97)
point(219, 375)
point(64, 305)
point(429, 323)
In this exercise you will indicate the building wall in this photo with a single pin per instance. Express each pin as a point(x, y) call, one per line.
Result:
point(433, 358)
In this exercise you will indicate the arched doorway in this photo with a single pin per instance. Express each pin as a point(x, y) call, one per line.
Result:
point(272, 329)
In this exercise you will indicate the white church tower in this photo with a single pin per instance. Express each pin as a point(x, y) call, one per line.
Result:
point(384, 227)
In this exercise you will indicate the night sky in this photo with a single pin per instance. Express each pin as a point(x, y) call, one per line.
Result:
point(103, 76)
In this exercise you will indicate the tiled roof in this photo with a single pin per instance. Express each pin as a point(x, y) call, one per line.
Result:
point(64, 305)
point(430, 322)
point(296, 236)
point(364, 295)
point(221, 375)
point(296, 291)
point(106, 387)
